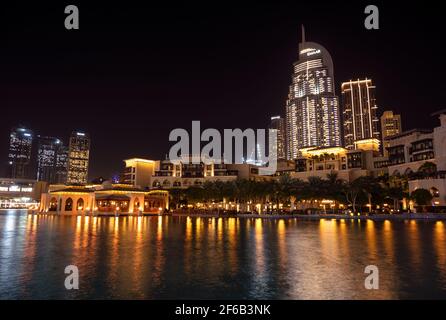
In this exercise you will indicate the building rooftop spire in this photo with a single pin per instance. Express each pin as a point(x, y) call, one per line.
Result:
point(303, 33)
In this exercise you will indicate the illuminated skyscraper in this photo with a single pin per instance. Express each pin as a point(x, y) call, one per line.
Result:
point(61, 165)
point(361, 124)
point(20, 146)
point(278, 123)
point(78, 158)
point(49, 152)
point(312, 108)
point(390, 126)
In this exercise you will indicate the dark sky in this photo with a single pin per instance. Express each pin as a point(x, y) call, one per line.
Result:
point(133, 73)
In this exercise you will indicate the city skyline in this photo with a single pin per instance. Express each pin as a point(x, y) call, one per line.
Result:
point(212, 152)
point(271, 52)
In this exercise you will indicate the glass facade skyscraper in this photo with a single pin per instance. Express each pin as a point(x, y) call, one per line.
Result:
point(278, 123)
point(50, 151)
point(61, 165)
point(78, 158)
point(19, 157)
point(312, 107)
point(359, 112)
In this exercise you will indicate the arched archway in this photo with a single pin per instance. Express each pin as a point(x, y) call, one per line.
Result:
point(80, 204)
point(53, 204)
point(177, 184)
point(156, 184)
point(69, 204)
point(166, 183)
point(136, 204)
point(435, 192)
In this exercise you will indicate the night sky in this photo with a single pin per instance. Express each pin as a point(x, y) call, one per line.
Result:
point(133, 73)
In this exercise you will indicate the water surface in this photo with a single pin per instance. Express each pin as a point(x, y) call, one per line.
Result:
point(218, 258)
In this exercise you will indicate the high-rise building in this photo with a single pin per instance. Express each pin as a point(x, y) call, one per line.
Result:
point(78, 158)
point(61, 165)
point(361, 124)
point(390, 126)
point(278, 123)
point(312, 107)
point(20, 146)
point(49, 153)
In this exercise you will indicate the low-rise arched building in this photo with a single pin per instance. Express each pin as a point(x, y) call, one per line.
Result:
point(107, 199)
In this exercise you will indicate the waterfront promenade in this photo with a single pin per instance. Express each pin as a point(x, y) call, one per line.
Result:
point(376, 217)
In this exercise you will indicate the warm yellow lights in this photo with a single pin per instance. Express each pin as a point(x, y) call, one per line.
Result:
point(367, 144)
point(321, 151)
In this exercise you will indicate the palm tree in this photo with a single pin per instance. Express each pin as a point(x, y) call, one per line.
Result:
point(396, 194)
point(422, 197)
point(363, 186)
point(176, 196)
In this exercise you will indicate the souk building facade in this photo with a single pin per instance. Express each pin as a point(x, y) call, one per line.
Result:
point(105, 199)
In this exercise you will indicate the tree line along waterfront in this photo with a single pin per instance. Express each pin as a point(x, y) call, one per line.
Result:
point(288, 195)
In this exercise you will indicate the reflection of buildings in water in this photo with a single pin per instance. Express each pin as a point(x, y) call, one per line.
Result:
point(414, 245)
point(439, 241)
point(281, 242)
point(370, 233)
point(388, 241)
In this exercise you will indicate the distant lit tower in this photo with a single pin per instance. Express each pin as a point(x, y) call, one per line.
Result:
point(361, 123)
point(278, 124)
point(61, 165)
point(20, 146)
point(49, 152)
point(312, 108)
point(390, 126)
point(78, 158)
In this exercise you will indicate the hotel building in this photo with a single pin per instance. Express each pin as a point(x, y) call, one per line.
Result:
point(348, 164)
point(312, 108)
point(419, 156)
point(20, 146)
point(390, 126)
point(278, 123)
point(165, 174)
point(361, 124)
point(78, 158)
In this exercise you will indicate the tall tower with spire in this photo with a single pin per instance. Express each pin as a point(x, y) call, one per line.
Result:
point(312, 107)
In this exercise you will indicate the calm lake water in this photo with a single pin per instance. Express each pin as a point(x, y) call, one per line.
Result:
point(210, 258)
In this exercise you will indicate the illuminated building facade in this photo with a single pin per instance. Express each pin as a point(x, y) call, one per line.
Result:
point(278, 124)
point(20, 146)
point(138, 172)
point(347, 164)
point(104, 199)
point(20, 193)
point(78, 158)
point(51, 160)
point(149, 174)
point(361, 124)
point(61, 164)
point(312, 108)
point(390, 126)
